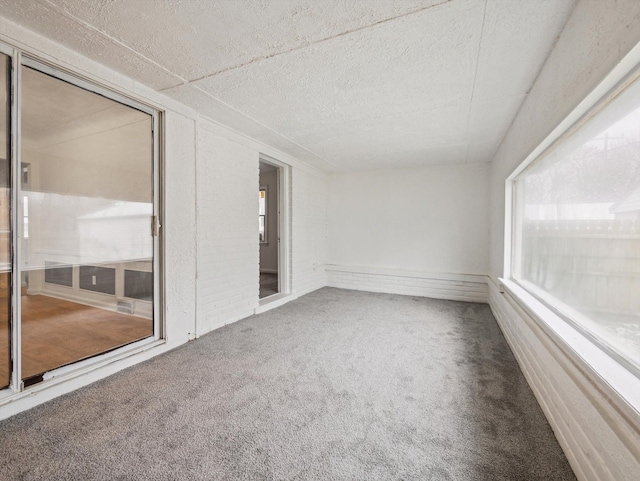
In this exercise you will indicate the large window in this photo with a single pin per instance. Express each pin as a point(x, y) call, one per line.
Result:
point(576, 235)
point(79, 223)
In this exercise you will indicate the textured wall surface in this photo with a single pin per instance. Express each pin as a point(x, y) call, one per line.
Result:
point(228, 246)
point(309, 231)
point(228, 263)
point(427, 220)
point(180, 227)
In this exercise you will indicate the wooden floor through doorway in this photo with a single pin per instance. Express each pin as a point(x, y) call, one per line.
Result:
point(56, 332)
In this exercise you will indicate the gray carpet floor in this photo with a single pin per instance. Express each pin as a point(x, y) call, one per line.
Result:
point(337, 385)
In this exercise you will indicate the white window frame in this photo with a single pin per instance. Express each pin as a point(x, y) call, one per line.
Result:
point(605, 369)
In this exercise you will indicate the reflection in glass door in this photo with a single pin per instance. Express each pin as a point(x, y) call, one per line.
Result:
point(5, 223)
point(86, 241)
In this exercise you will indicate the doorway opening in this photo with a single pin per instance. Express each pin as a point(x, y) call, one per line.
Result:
point(269, 228)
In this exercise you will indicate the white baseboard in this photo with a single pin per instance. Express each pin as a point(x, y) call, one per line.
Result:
point(457, 287)
point(600, 441)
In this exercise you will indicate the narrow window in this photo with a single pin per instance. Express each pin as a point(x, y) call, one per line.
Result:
point(271, 259)
point(262, 215)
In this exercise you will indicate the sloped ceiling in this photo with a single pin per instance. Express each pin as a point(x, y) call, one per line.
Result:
point(343, 85)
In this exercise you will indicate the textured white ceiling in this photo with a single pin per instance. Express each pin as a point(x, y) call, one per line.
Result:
point(341, 84)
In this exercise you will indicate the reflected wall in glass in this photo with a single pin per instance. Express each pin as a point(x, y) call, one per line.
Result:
point(5, 224)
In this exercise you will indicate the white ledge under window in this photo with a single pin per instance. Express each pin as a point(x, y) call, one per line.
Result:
point(615, 381)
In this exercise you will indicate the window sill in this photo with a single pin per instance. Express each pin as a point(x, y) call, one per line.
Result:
point(617, 384)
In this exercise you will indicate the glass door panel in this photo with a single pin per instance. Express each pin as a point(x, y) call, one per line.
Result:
point(5, 223)
point(85, 224)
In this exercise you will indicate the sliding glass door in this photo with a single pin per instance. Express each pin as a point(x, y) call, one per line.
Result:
point(5, 222)
point(86, 223)
point(78, 221)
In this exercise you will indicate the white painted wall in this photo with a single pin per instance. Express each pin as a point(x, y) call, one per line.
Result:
point(180, 229)
point(228, 275)
point(228, 244)
point(599, 441)
point(411, 231)
point(210, 222)
point(309, 230)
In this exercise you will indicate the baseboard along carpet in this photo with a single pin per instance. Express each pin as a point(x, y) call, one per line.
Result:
point(337, 385)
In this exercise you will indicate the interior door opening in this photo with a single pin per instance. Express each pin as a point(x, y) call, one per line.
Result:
point(269, 229)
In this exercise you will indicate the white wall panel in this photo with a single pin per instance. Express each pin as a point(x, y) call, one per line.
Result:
point(428, 223)
point(309, 231)
point(228, 255)
point(179, 227)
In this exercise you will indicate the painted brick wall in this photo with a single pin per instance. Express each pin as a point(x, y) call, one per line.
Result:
point(457, 287)
point(601, 442)
point(228, 255)
point(180, 228)
point(309, 243)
